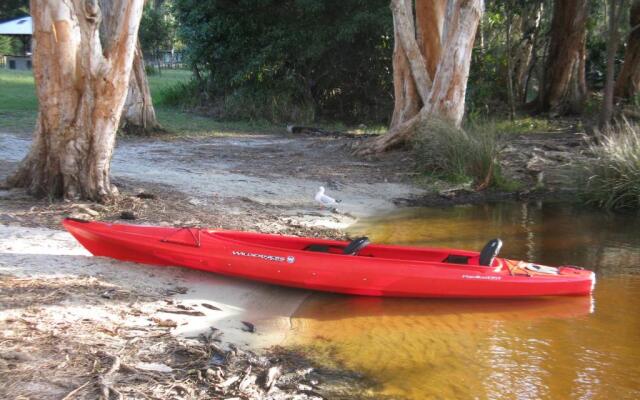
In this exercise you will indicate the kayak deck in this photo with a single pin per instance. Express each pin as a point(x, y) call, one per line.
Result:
point(318, 264)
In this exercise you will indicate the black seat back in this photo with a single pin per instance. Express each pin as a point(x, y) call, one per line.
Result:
point(356, 245)
point(490, 251)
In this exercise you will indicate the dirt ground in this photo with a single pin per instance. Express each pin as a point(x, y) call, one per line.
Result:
point(75, 326)
point(254, 182)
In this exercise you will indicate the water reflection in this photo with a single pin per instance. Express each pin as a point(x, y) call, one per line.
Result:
point(547, 233)
point(515, 349)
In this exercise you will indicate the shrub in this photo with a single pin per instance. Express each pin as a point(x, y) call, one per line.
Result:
point(270, 105)
point(611, 179)
point(181, 93)
point(458, 155)
point(150, 70)
point(328, 59)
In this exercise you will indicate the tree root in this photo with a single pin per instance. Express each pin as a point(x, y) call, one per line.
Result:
point(396, 137)
point(104, 380)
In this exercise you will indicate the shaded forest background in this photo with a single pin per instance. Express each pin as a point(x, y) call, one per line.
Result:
point(306, 60)
point(331, 61)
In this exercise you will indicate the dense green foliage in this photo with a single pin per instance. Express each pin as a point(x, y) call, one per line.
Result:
point(326, 59)
point(292, 60)
point(157, 28)
point(5, 45)
point(612, 180)
point(10, 9)
point(13, 8)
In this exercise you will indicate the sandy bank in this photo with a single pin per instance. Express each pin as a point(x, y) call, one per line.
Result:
point(48, 254)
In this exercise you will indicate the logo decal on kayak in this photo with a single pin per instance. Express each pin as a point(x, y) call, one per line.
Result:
point(483, 277)
point(265, 257)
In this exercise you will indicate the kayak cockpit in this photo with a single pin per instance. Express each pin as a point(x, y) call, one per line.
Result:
point(361, 247)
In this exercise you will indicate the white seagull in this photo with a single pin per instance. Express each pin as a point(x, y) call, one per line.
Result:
point(324, 199)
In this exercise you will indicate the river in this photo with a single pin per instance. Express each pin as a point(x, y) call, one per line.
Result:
point(550, 348)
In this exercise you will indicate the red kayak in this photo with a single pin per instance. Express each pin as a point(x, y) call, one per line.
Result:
point(355, 267)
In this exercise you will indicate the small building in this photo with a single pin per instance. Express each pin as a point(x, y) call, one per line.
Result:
point(21, 28)
point(18, 62)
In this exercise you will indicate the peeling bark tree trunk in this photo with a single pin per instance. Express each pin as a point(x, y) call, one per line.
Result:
point(443, 93)
point(628, 83)
point(564, 87)
point(81, 90)
point(430, 17)
point(410, 94)
point(407, 103)
point(138, 114)
point(446, 100)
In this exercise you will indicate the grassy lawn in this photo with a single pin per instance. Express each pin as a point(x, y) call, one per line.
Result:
point(18, 103)
point(19, 107)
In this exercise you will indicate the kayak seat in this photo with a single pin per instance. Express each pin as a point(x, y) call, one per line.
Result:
point(320, 248)
point(455, 259)
point(323, 248)
point(490, 252)
point(356, 245)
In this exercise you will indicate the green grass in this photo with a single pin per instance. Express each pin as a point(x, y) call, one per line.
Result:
point(470, 157)
point(18, 103)
point(522, 124)
point(19, 109)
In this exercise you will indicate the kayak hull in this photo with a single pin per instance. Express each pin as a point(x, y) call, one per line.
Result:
point(378, 270)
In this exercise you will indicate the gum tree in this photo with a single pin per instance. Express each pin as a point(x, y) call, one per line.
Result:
point(436, 64)
point(564, 87)
point(628, 83)
point(138, 114)
point(81, 86)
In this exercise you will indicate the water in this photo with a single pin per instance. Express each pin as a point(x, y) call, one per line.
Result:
point(551, 348)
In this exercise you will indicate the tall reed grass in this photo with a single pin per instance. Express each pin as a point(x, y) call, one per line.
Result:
point(460, 155)
point(611, 179)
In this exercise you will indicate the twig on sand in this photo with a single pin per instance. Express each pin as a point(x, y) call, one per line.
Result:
point(192, 313)
point(76, 390)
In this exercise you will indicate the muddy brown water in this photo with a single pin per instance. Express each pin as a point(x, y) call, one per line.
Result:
point(550, 348)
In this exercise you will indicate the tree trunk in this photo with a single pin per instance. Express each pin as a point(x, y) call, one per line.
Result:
point(523, 58)
point(628, 83)
point(447, 97)
point(81, 89)
point(138, 114)
point(430, 17)
point(446, 93)
point(615, 9)
point(564, 87)
point(415, 62)
point(406, 100)
point(510, 93)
